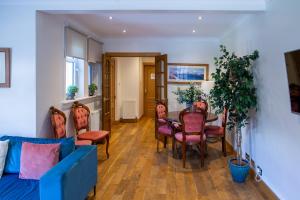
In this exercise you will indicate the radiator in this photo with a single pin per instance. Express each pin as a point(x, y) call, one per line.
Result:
point(129, 109)
point(95, 120)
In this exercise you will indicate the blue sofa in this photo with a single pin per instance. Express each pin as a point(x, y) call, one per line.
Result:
point(71, 179)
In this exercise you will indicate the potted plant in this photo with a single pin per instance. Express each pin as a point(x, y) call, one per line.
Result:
point(234, 91)
point(190, 95)
point(92, 89)
point(71, 91)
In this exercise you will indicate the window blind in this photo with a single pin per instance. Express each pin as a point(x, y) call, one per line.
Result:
point(76, 44)
point(94, 51)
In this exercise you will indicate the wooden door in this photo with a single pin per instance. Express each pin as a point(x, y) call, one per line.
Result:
point(161, 83)
point(112, 92)
point(106, 90)
point(149, 90)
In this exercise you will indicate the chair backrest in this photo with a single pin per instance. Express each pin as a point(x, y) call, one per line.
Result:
point(161, 110)
point(58, 122)
point(201, 105)
point(81, 114)
point(193, 122)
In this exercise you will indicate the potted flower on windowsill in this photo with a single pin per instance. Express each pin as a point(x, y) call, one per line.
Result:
point(92, 89)
point(234, 91)
point(190, 95)
point(71, 92)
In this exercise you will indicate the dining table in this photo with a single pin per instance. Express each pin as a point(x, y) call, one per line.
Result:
point(174, 116)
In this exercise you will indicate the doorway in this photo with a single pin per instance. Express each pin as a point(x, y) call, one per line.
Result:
point(156, 84)
point(149, 89)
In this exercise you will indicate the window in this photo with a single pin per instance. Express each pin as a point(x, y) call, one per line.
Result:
point(74, 67)
point(90, 74)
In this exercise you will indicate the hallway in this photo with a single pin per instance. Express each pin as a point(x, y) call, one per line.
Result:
point(136, 171)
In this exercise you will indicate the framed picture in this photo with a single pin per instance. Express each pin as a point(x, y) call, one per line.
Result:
point(185, 73)
point(4, 67)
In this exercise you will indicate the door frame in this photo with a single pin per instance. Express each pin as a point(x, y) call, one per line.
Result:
point(109, 55)
point(144, 66)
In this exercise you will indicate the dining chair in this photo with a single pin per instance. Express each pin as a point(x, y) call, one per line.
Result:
point(58, 122)
point(163, 126)
point(213, 131)
point(202, 104)
point(192, 133)
point(81, 114)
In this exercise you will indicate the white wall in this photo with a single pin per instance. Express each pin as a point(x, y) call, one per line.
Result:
point(179, 50)
point(273, 135)
point(128, 84)
point(50, 73)
point(18, 111)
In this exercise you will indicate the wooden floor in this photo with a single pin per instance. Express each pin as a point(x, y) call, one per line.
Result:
point(135, 171)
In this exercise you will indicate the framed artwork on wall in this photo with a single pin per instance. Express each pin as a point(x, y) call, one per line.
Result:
point(4, 67)
point(185, 73)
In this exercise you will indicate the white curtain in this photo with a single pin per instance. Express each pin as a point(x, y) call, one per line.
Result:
point(76, 44)
point(94, 51)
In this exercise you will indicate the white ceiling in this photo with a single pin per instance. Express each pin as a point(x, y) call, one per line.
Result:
point(159, 23)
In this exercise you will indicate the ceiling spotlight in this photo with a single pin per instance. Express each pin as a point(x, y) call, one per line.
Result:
point(110, 17)
point(194, 31)
point(199, 18)
point(124, 31)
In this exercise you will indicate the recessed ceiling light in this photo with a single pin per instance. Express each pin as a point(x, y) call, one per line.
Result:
point(200, 18)
point(124, 31)
point(194, 31)
point(110, 17)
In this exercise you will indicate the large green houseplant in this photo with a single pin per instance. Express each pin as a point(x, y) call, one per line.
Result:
point(234, 90)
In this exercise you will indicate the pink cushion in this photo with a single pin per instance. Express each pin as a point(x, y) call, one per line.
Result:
point(161, 111)
point(192, 139)
point(165, 130)
point(59, 123)
point(83, 142)
point(81, 118)
point(93, 135)
point(36, 159)
point(212, 130)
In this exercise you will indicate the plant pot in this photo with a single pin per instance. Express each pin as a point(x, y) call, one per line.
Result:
point(91, 93)
point(70, 96)
point(238, 172)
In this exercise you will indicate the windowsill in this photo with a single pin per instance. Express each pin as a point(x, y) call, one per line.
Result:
point(66, 102)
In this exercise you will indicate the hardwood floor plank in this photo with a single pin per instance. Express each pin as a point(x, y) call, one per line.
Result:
point(136, 171)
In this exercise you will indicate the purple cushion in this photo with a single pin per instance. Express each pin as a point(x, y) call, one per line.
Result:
point(165, 130)
point(192, 139)
point(36, 159)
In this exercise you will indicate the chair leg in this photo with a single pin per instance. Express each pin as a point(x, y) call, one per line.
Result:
point(95, 190)
point(183, 154)
point(107, 145)
point(202, 152)
point(165, 141)
point(224, 146)
point(173, 146)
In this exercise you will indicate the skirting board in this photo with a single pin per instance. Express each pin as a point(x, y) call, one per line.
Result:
point(128, 120)
point(261, 186)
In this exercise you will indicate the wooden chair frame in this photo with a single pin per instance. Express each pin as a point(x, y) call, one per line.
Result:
point(201, 133)
point(52, 112)
point(77, 105)
point(157, 125)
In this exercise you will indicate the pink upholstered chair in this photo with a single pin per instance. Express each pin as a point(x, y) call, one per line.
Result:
point(213, 131)
point(193, 123)
point(163, 127)
point(201, 105)
point(58, 121)
point(81, 114)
